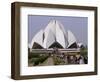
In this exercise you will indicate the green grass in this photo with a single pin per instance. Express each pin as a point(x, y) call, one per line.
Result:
point(35, 58)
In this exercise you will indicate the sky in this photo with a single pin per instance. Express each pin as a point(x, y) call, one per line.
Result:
point(78, 26)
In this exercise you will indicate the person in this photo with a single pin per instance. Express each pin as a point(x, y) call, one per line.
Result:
point(72, 60)
point(68, 59)
point(85, 60)
point(81, 61)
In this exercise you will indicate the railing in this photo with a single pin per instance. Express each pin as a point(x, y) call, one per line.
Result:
point(52, 50)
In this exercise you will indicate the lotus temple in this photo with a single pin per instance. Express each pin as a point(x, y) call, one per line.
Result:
point(54, 36)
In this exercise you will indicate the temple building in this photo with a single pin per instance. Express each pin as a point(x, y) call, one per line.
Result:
point(54, 35)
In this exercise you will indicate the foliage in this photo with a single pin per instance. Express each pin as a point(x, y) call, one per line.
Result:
point(84, 53)
point(57, 60)
point(35, 58)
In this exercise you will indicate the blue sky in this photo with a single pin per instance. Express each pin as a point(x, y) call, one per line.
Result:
point(78, 25)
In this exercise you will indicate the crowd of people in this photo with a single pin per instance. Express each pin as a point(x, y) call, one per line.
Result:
point(77, 58)
point(73, 59)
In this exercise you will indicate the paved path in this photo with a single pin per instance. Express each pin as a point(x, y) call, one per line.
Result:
point(48, 62)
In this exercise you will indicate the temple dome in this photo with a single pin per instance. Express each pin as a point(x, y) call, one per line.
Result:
point(54, 35)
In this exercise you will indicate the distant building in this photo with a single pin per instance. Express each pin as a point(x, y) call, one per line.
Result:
point(54, 35)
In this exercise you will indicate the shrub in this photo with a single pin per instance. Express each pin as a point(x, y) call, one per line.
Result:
point(35, 58)
point(33, 55)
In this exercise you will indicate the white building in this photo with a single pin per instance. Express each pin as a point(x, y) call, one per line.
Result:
point(54, 35)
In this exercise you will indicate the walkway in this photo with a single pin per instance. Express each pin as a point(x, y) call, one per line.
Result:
point(47, 62)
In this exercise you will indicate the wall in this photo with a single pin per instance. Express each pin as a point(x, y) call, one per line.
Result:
point(5, 40)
